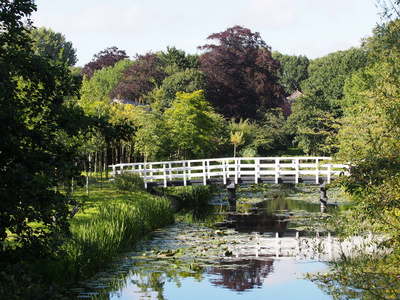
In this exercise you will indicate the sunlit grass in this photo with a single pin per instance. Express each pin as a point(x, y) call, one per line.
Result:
point(107, 223)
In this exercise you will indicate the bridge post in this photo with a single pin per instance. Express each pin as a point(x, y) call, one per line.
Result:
point(323, 198)
point(232, 196)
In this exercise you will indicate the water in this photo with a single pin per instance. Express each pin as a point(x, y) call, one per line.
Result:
point(256, 252)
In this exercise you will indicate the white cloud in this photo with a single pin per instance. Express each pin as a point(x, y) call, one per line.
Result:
point(270, 13)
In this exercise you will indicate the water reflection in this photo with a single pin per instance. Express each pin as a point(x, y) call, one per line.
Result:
point(280, 215)
point(240, 257)
point(242, 275)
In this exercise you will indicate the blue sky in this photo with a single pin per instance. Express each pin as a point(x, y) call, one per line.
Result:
point(312, 28)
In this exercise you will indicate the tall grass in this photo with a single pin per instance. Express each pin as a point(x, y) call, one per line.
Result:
point(96, 241)
point(193, 196)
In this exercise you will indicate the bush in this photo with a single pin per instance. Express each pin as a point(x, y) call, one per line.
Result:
point(197, 195)
point(128, 182)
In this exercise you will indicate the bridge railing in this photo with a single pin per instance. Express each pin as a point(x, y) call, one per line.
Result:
point(233, 169)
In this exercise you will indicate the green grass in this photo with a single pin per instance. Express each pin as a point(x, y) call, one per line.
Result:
point(108, 223)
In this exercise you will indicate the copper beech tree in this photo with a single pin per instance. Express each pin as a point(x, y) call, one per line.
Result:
point(241, 73)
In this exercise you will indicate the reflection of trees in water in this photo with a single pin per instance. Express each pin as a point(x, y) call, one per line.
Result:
point(241, 275)
point(260, 222)
point(153, 282)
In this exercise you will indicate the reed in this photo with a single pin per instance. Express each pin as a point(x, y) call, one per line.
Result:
point(95, 242)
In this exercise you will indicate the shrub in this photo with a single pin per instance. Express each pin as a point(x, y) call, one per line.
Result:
point(197, 195)
point(128, 182)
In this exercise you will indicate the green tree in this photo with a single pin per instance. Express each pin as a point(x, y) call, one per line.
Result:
point(53, 46)
point(271, 134)
point(190, 125)
point(95, 94)
point(188, 81)
point(34, 162)
point(247, 127)
point(294, 70)
point(150, 140)
point(328, 74)
point(314, 129)
point(237, 140)
point(369, 142)
point(178, 58)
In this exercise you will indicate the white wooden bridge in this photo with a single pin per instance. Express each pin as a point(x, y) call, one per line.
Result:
point(312, 170)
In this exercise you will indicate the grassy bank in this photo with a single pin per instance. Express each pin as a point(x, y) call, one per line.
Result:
point(107, 223)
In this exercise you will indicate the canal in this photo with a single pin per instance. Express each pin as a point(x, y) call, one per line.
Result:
point(263, 249)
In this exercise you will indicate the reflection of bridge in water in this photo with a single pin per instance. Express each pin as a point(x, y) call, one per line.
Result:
point(235, 170)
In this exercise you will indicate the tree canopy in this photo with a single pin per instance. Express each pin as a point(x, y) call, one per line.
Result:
point(53, 46)
point(241, 73)
point(38, 152)
point(106, 58)
point(294, 70)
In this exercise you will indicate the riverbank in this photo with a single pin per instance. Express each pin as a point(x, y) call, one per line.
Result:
point(107, 223)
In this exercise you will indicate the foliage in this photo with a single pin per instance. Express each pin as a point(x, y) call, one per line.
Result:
point(369, 142)
point(53, 46)
point(104, 59)
point(271, 134)
point(128, 182)
point(241, 73)
point(190, 125)
point(140, 78)
point(294, 71)
point(35, 162)
point(237, 140)
point(362, 277)
point(188, 81)
point(150, 139)
point(178, 58)
point(95, 94)
point(328, 74)
point(193, 196)
point(314, 128)
point(96, 240)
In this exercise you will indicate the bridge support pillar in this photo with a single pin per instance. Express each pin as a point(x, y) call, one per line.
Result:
point(232, 196)
point(323, 198)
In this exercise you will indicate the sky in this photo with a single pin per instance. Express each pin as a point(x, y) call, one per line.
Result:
point(313, 28)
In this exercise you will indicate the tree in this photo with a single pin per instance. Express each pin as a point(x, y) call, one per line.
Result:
point(369, 143)
point(241, 73)
point(247, 128)
point(188, 81)
point(271, 133)
point(294, 71)
point(328, 75)
point(34, 161)
point(140, 78)
point(190, 125)
point(150, 140)
point(106, 58)
point(53, 46)
point(314, 128)
point(237, 140)
point(178, 58)
point(96, 93)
